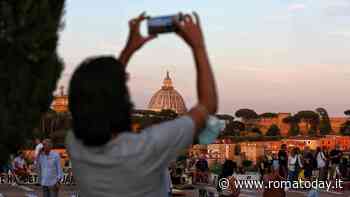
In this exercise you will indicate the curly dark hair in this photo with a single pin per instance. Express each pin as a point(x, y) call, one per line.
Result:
point(99, 100)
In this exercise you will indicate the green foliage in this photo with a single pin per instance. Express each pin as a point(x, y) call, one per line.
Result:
point(268, 115)
point(216, 168)
point(29, 67)
point(225, 117)
point(325, 124)
point(238, 126)
point(148, 118)
point(274, 130)
point(345, 128)
point(257, 131)
point(249, 118)
point(247, 163)
point(325, 127)
point(168, 114)
point(312, 132)
point(293, 121)
point(310, 117)
point(347, 112)
point(236, 139)
point(294, 130)
point(234, 128)
point(246, 114)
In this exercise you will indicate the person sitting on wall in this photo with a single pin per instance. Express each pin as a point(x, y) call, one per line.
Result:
point(20, 166)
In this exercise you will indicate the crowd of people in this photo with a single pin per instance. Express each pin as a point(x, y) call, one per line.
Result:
point(285, 165)
point(45, 163)
point(308, 164)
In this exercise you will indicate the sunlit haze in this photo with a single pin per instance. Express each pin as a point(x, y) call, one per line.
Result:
point(271, 55)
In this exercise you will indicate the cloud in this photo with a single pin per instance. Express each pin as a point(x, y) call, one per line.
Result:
point(296, 7)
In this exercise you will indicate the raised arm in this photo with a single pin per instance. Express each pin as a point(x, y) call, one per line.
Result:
point(190, 30)
point(135, 39)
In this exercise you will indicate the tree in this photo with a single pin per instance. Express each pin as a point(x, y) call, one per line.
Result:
point(225, 117)
point(247, 164)
point(293, 121)
point(246, 114)
point(257, 131)
point(248, 117)
point(345, 128)
point(312, 132)
point(29, 67)
point(146, 118)
point(347, 112)
point(274, 130)
point(325, 124)
point(52, 122)
point(238, 126)
point(167, 114)
point(311, 118)
point(268, 115)
point(234, 128)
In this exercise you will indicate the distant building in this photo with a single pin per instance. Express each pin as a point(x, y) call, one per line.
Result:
point(60, 101)
point(330, 141)
point(254, 150)
point(302, 142)
point(167, 98)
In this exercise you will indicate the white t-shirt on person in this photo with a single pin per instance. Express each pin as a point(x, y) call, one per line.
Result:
point(131, 165)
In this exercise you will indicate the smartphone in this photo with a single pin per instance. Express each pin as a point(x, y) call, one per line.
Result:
point(162, 24)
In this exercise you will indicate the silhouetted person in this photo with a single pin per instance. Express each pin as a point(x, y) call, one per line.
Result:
point(283, 161)
point(321, 163)
point(109, 160)
point(335, 156)
point(20, 167)
point(294, 164)
point(308, 159)
point(202, 170)
point(227, 170)
point(266, 163)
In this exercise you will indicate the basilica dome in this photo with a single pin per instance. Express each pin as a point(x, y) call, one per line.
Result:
point(167, 98)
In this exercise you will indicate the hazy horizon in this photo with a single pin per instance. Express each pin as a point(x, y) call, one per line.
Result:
point(270, 56)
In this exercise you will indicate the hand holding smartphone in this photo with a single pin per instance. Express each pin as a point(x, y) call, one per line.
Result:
point(186, 26)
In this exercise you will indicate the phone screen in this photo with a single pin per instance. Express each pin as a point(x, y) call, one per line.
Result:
point(161, 24)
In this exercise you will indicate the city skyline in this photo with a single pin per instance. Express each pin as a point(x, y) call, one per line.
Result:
point(279, 56)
